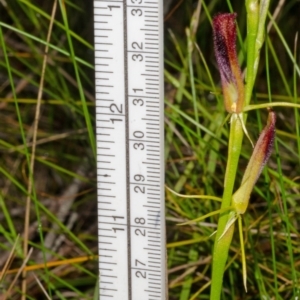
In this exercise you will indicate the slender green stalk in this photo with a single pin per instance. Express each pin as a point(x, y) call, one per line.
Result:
point(222, 245)
point(252, 7)
point(256, 18)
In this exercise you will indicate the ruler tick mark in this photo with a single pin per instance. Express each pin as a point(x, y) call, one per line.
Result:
point(106, 289)
point(110, 236)
point(103, 43)
point(107, 196)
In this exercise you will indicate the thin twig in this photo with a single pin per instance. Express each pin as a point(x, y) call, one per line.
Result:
point(173, 10)
point(42, 287)
point(34, 138)
point(49, 139)
point(9, 259)
point(275, 14)
point(21, 270)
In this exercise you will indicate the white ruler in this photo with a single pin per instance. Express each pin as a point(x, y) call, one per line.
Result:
point(129, 114)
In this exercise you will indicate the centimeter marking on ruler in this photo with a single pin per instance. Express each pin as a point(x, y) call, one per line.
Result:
point(130, 167)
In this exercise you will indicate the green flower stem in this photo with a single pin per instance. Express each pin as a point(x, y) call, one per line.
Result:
point(252, 7)
point(222, 245)
point(256, 18)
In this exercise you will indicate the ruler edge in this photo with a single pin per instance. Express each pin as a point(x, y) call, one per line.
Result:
point(162, 148)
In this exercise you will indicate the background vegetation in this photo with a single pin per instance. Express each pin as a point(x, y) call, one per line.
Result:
point(62, 220)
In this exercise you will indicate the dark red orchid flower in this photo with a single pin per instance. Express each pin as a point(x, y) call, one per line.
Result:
point(260, 156)
point(224, 30)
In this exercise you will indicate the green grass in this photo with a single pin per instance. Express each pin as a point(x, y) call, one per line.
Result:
point(61, 148)
point(196, 138)
point(197, 156)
